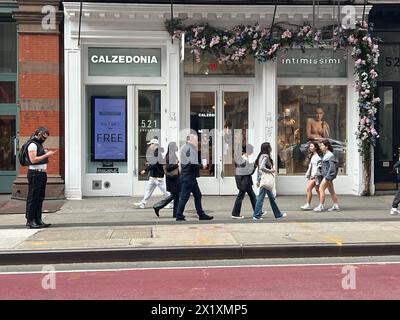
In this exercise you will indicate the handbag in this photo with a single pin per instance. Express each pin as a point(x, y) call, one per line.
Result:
point(267, 181)
point(173, 173)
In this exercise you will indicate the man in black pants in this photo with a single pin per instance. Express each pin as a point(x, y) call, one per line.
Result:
point(190, 170)
point(37, 178)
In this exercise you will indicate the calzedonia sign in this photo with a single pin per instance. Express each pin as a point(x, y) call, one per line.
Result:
point(119, 62)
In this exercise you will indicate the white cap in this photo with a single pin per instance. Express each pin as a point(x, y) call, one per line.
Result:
point(153, 141)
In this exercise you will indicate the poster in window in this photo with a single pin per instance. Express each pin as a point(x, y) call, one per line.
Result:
point(108, 129)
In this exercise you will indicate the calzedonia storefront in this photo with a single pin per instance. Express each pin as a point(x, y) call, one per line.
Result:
point(128, 82)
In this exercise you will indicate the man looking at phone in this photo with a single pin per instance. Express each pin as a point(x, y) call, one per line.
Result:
point(37, 178)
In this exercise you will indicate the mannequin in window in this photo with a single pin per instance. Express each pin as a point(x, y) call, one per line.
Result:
point(317, 128)
point(288, 131)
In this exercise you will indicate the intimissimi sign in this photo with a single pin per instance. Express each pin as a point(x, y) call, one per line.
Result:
point(313, 63)
point(119, 62)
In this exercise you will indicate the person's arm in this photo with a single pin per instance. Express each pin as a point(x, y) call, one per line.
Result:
point(326, 128)
point(396, 165)
point(35, 159)
point(308, 129)
point(263, 167)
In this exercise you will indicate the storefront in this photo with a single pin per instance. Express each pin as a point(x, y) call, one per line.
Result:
point(8, 96)
point(128, 82)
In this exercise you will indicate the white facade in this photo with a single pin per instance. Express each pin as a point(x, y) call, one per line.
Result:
point(142, 26)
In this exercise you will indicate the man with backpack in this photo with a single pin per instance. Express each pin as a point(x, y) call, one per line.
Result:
point(36, 157)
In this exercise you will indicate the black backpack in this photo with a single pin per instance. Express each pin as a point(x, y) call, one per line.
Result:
point(23, 156)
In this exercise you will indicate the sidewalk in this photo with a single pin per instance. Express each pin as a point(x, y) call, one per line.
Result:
point(101, 225)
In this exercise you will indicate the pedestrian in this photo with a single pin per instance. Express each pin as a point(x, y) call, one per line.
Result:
point(155, 169)
point(265, 165)
point(37, 178)
point(244, 180)
point(313, 173)
point(396, 200)
point(190, 170)
point(329, 170)
point(172, 177)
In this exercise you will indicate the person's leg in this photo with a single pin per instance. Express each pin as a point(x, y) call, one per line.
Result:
point(151, 186)
point(322, 188)
point(331, 190)
point(396, 200)
point(238, 203)
point(310, 187)
point(30, 203)
point(183, 199)
point(42, 181)
point(259, 204)
point(162, 186)
point(197, 198)
point(163, 202)
point(274, 206)
point(176, 203)
point(252, 196)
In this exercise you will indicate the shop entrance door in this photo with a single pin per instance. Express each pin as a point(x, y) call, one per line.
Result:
point(220, 116)
point(8, 148)
point(387, 151)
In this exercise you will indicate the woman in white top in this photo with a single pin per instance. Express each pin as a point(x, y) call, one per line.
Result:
point(313, 173)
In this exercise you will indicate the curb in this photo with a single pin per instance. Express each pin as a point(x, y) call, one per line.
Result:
point(197, 253)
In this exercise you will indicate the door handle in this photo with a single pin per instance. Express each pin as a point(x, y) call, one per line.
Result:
point(16, 144)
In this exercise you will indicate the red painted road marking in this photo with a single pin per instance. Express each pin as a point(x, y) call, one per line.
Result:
point(373, 281)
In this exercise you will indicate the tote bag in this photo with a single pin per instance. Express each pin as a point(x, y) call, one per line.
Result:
point(267, 181)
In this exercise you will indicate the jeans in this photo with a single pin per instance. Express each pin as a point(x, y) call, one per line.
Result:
point(152, 185)
point(36, 193)
point(239, 199)
point(396, 200)
point(260, 201)
point(189, 186)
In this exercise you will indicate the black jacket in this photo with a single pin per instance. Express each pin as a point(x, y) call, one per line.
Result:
point(173, 183)
point(190, 167)
point(155, 167)
point(244, 172)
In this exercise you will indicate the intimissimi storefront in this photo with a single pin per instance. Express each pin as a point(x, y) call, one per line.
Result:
point(127, 82)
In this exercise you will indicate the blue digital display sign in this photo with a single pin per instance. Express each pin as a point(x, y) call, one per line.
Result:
point(109, 129)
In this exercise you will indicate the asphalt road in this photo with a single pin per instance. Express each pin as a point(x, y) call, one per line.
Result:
point(286, 279)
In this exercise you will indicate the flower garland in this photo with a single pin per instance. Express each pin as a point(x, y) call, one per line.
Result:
point(230, 46)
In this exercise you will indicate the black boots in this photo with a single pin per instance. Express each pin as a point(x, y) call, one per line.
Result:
point(32, 225)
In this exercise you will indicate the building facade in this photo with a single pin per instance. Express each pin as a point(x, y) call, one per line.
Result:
point(118, 80)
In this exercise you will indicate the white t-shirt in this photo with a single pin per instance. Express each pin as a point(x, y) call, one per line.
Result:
point(33, 147)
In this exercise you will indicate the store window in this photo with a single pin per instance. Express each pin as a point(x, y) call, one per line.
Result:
point(149, 124)
point(209, 66)
point(310, 113)
point(8, 47)
point(7, 92)
point(107, 129)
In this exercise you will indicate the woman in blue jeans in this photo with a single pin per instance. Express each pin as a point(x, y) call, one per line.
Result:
point(265, 164)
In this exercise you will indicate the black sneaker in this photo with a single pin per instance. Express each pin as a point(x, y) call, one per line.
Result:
point(181, 218)
point(205, 217)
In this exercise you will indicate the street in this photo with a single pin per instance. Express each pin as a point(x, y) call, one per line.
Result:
point(235, 280)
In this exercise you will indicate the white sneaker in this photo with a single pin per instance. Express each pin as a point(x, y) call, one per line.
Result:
point(169, 205)
point(261, 218)
point(139, 204)
point(264, 213)
point(282, 216)
point(394, 211)
point(237, 217)
point(306, 207)
point(335, 207)
point(319, 208)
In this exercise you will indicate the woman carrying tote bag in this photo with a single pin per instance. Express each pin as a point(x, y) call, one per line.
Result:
point(266, 182)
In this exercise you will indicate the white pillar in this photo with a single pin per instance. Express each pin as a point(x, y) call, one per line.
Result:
point(73, 125)
point(270, 123)
point(173, 91)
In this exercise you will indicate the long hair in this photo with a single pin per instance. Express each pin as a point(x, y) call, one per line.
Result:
point(265, 149)
point(317, 148)
point(171, 157)
point(327, 143)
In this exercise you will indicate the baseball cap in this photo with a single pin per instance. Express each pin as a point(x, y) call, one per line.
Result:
point(153, 141)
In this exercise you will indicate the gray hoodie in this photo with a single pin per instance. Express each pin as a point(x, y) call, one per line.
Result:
point(329, 166)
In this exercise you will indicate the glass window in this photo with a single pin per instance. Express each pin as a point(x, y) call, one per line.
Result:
point(107, 135)
point(8, 47)
point(7, 92)
point(385, 125)
point(389, 62)
point(149, 126)
point(209, 66)
point(310, 113)
point(7, 136)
